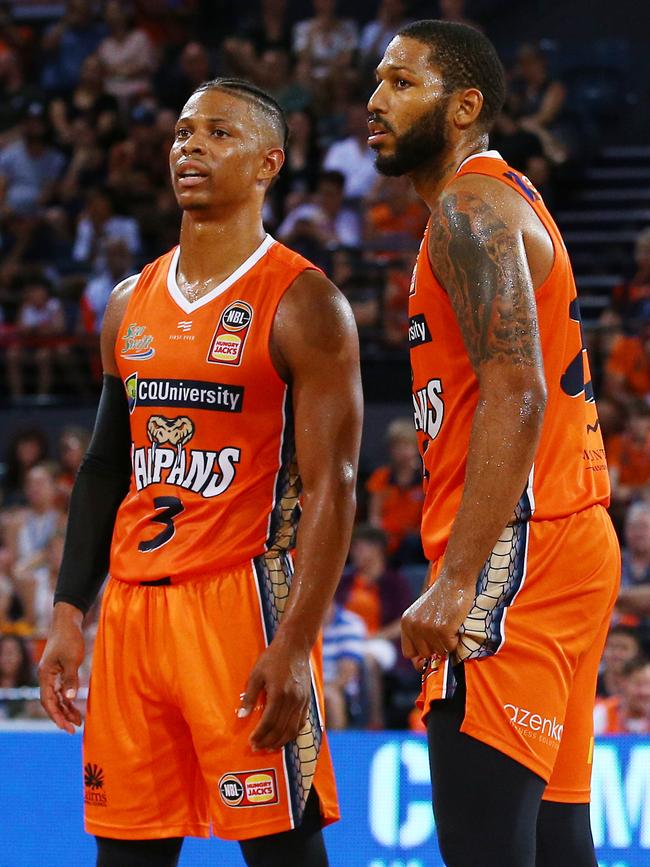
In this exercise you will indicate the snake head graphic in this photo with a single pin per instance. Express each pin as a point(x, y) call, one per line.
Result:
point(173, 431)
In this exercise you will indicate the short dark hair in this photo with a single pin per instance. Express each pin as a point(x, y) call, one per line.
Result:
point(368, 533)
point(466, 58)
point(249, 91)
point(332, 176)
point(637, 664)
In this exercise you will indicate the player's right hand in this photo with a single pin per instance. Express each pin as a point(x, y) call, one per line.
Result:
point(58, 671)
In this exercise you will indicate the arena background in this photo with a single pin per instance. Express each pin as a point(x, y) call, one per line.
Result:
point(593, 168)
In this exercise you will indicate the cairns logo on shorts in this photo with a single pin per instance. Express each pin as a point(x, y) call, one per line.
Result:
point(249, 788)
point(93, 785)
point(229, 339)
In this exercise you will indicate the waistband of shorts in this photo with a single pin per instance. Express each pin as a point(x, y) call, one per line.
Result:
point(199, 578)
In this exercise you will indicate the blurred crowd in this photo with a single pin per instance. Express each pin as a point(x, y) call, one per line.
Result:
point(88, 103)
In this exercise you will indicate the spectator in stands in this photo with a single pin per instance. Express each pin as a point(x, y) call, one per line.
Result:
point(396, 496)
point(36, 580)
point(30, 170)
point(538, 101)
point(362, 287)
point(15, 93)
point(395, 217)
point(628, 712)
point(628, 456)
point(632, 298)
point(26, 448)
point(299, 175)
point(454, 10)
point(67, 44)
point(71, 447)
point(40, 337)
point(379, 596)
point(344, 637)
point(373, 591)
point(88, 101)
point(375, 36)
point(31, 529)
point(352, 156)
point(118, 264)
point(99, 225)
point(396, 296)
point(267, 30)
point(325, 218)
point(12, 611)
point(127, 54)
point(515, 144)
point(274, 75)
point(86, 170)
point(622, 647)
point(627, 369)
point(325, 43)
point(636, 550)
point(16, 670)
point(191, 69)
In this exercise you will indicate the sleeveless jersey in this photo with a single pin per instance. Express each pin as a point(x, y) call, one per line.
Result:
point(570, 472)
point(214, 480)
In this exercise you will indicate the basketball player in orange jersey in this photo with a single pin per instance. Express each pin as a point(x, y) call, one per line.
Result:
point(524, 560)
point(231, 394)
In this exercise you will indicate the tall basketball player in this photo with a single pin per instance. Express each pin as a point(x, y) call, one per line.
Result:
point(524, 561)
point(231, 393)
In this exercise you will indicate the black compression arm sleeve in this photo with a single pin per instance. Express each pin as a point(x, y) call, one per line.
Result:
point(101, 484)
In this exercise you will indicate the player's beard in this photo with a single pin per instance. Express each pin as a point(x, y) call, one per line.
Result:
point(421, 145)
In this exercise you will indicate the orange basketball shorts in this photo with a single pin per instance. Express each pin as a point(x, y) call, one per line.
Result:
point(531, 647)
point(165, 754)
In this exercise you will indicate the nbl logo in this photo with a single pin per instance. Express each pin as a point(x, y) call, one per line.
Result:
point(237, 316)
point(249, 788)
point(229, 339)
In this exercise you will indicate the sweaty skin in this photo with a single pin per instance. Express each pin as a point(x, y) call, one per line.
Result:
point(236, 153)
point(490, 252)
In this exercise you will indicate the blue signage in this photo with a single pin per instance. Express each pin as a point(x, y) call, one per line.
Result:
point(383, 781)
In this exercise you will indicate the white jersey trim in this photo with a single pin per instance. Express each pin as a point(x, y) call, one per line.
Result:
point(492, 155)
point(188, 306)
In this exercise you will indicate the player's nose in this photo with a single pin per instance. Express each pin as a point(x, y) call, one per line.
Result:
point(376, 102)
point(193, 144)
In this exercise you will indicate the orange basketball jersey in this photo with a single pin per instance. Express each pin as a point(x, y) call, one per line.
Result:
point(570, 472)
point(214, 481)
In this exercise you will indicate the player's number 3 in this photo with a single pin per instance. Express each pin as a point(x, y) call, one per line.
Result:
point(170, 508)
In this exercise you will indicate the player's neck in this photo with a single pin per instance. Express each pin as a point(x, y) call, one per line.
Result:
point(430, 180)
point(212, 248)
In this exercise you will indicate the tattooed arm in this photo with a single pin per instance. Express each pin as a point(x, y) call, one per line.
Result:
point(476, 248)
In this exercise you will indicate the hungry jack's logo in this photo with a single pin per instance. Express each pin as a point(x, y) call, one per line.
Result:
point(249, 788)
point(227, 346)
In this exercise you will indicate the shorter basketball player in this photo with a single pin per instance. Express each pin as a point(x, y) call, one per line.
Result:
point(524, 560)
point(231, 397)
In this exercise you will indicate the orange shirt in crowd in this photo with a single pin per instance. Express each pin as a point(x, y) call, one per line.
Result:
point(609, 719)
point(364, 600)
point(628, 359)
point(401, 508)
point(631, 460)
point(408, 221)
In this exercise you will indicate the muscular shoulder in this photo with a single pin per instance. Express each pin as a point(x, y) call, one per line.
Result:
point(115, 310)
point(313, 317)
point(479, 211)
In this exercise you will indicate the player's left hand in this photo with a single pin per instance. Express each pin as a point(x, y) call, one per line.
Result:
point(283, 673)
point(430, 626)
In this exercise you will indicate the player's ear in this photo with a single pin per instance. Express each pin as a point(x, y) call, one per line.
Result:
point(468, 107)
point(271, 165)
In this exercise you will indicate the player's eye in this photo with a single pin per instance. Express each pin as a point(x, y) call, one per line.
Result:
point(402, 83)
point(220, 133)
point(182, 132)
